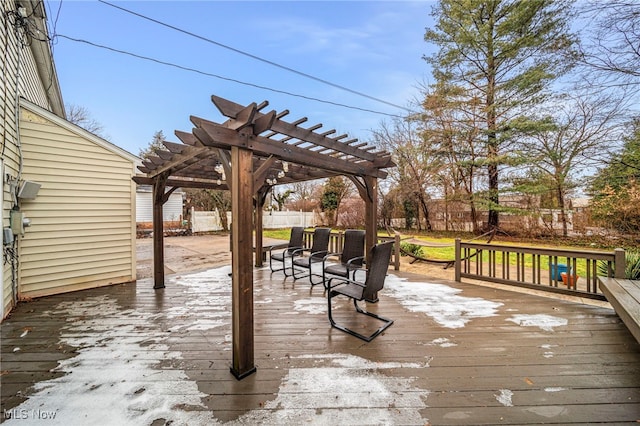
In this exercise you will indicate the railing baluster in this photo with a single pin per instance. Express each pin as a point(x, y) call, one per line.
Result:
point(576, 260)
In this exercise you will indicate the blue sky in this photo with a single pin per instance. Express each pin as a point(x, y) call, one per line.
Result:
point(373, 47)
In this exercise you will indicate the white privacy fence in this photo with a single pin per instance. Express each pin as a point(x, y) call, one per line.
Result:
point(210, 221)
point(277, 220)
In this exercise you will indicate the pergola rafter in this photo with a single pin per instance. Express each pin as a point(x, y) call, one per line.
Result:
point(247, 154)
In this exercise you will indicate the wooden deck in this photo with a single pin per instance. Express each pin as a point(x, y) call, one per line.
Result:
point(457, 354)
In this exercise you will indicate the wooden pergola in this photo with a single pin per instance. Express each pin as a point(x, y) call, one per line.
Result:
point(247, 154)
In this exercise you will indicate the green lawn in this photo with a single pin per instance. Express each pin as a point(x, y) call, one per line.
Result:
point(448, 252)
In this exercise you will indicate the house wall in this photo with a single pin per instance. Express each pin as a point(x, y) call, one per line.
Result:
point(20, 78)
point(82, 231)
point(171, 210)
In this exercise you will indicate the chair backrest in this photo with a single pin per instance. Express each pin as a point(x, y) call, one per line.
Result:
point(353, 246)
point(296, 238)
point(320, 240)
point(377, 268)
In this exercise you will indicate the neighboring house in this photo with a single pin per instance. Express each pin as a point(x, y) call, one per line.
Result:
point(74, 187)
point(171, 210)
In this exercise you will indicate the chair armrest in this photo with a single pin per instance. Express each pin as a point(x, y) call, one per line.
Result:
point(354, 259)
point(284, 248)
point(318, 253)
point(342, 281)
point(298, 251)
point(328, 255)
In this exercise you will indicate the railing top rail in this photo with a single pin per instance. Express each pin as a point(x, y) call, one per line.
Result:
point(587, 254)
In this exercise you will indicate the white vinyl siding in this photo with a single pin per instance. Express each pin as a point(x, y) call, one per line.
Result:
point(171, 210)
point(82, 231)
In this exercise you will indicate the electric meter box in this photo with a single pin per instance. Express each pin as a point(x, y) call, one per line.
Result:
point(18, 222)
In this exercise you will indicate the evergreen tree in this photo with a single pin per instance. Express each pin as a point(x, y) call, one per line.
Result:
point(508, 52)
point(154, 146)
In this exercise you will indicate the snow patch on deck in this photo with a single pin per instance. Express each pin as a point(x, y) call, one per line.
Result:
point(439, 301)
point(310, 306)
point(543, 321)
point(320, 395)
point(504, 397)
point(112, 379)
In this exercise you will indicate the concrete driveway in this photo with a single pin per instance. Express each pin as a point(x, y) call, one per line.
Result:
point(186, 254)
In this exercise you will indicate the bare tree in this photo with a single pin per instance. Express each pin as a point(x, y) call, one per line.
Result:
point(452, 123)
point(81, 117)
point(581, 130)
point(417, 169)
point(611, 41)
point(304, 195)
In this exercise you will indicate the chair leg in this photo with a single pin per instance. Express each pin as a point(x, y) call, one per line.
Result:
point(310, 274)
point(284, 266)
point(293, 272)
point(386, 321)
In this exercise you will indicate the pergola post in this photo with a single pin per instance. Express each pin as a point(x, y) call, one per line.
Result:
point(241, 262)
point(371, 212)
point(260, 199)
point(368, 189)
point(371, 219)
point(158, 231)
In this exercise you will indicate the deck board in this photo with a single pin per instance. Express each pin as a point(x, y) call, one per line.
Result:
point(148, 355)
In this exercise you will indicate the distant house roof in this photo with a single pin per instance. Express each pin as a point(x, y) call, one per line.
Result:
point(580, 202)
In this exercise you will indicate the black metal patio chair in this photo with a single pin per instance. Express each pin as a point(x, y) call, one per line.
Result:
point(351, 257)
point(317, 252)
point(295, 243)
point(367, 290)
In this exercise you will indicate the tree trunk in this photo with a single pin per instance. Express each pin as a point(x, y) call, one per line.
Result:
point(425, 211)
point(223, 219)
point(474, 217)
point(563, 215)
point(492, 140)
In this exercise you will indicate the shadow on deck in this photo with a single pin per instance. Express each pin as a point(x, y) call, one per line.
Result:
point(457, 354)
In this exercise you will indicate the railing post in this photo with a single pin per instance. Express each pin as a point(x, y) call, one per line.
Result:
point(396, 248)
point(458, 278)
point(620, 263)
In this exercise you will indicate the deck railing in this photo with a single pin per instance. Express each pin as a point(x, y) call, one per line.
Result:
point(336, 242)
point(539, 268)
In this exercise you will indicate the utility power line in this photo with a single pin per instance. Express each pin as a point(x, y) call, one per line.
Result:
point(257, 58)
point(208, 74)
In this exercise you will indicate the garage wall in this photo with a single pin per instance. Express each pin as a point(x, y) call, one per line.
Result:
point(82, 231)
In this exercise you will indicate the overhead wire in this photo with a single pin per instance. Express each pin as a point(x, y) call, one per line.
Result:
point(205, 73)
point(255, 57)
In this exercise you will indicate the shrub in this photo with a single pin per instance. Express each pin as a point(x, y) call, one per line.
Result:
point(414, 249)
point(632, 267)
point(632, 270)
